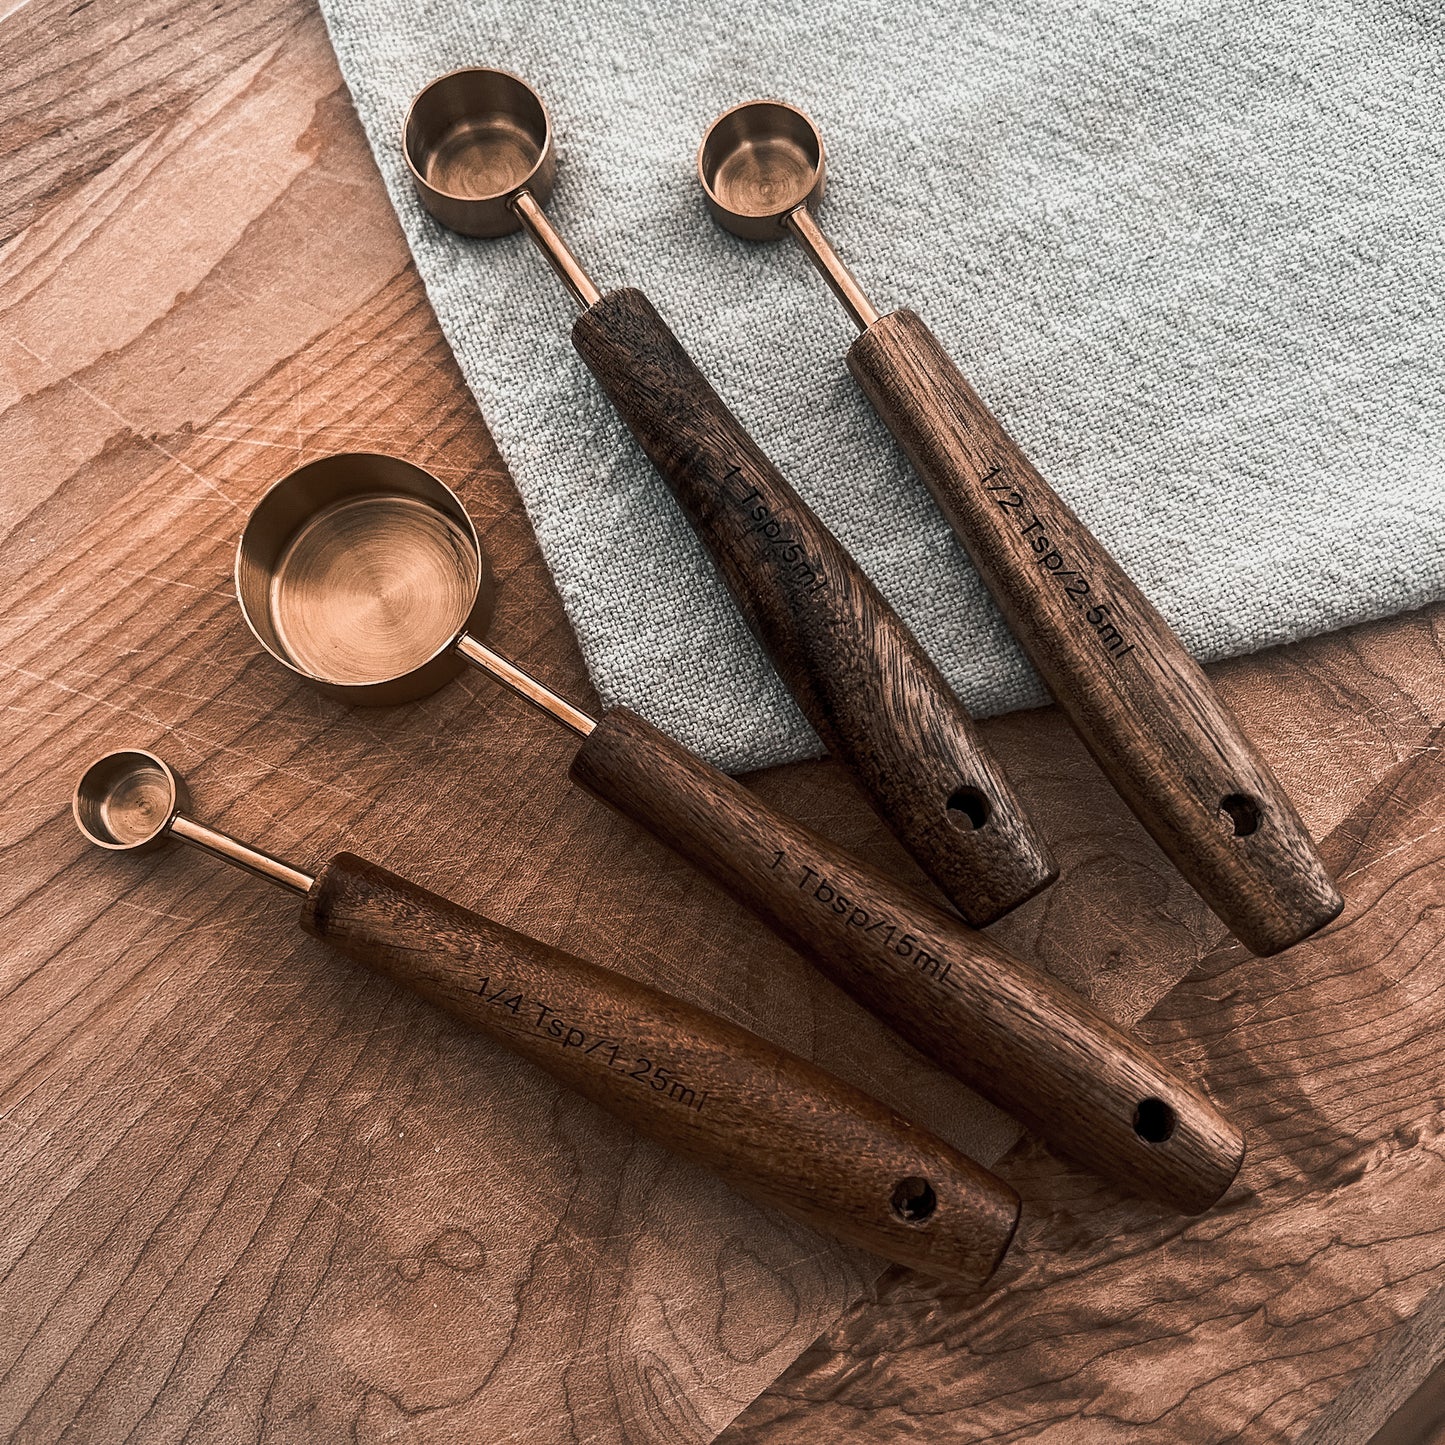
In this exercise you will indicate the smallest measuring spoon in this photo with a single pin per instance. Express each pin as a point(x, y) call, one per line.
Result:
point(775, 1127)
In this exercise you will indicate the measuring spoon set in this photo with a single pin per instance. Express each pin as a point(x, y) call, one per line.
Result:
point(364, 575)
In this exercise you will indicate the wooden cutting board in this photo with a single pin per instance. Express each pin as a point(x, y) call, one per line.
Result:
point(1311, 1303)
point(249, 1194)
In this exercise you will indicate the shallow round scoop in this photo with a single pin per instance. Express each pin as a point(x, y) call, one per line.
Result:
point(127, 801)
point(360, 572)
point(758, 162)
point(473, 140)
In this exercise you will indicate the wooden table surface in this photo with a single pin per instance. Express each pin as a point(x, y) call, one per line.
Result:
point(250, 1194)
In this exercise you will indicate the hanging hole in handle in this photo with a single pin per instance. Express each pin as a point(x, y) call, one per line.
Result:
point(1239, 814)
point(913, 1200)
point(968, 809)
point(1154, 1120)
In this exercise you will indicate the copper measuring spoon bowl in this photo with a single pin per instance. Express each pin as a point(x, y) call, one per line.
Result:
point(474, 140)
point(758, 163)
point(126, 802)
point(478, 143)
point(362, 573)
point(762, 168)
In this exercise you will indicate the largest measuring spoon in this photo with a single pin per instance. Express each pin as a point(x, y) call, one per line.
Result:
point(479, 145)
point(364, 575)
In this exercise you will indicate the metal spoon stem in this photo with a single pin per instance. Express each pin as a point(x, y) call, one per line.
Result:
point(555, 249)
point(844, 284)
point(524, 685)
point(239, 854)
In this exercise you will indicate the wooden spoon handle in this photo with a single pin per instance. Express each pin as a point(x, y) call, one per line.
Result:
point(777, 1128)
point(880, 705)
point(1016, 1035)
point(1141, 704)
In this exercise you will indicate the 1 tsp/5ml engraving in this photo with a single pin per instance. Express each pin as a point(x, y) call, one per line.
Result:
point(802, 576)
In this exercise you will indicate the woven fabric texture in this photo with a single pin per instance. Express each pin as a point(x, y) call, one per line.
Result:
point(1192, 254)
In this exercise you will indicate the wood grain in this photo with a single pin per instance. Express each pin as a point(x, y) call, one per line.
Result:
point(77, 94)
point(248, 1196)
point(876, 699)
point(774, 1127)
point(1030, 1045)
point(1140, 702)
point(1309, 1305)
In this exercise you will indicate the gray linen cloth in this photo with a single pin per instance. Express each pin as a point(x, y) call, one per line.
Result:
point(1193, 254)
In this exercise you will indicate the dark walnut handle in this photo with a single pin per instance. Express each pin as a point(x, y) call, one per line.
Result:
point(773, 1126)
point(1141, 704)
point(879, 704)
point(1016, 1035)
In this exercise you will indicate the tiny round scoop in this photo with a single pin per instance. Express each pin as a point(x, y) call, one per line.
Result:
point(758, 163)
point(134, 802)
point(474, 139)
point(361, 573)
point(126, 802)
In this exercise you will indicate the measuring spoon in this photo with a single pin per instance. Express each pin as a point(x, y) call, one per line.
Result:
point(364, 575)
point(479, 145)
point(775, 1127)
point(1139, 701)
